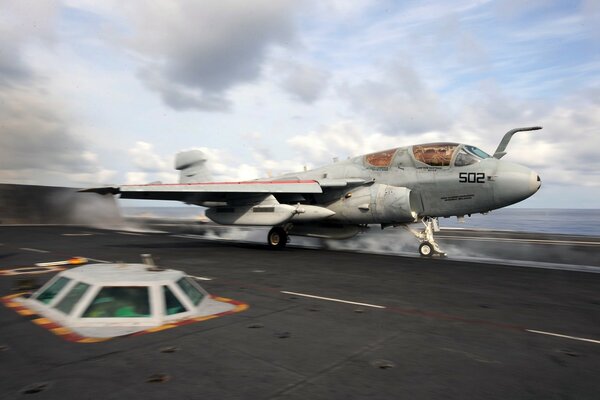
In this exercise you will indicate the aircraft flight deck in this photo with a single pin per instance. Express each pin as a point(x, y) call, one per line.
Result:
point(320, 324)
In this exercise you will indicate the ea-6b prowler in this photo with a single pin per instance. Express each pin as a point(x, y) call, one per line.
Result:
point(394, 187)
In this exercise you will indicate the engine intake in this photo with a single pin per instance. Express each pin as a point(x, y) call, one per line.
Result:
point(375, 204)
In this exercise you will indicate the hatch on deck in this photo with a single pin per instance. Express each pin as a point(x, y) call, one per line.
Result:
point(107, 300)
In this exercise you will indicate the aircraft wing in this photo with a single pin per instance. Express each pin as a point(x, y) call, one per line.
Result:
point(210, 191)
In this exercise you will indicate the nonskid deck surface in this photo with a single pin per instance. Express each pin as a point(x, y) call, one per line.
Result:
point(514, 248)
point(321, 325)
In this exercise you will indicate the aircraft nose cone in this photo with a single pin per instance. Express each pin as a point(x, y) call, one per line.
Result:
point(535, 182)
point(515, 183)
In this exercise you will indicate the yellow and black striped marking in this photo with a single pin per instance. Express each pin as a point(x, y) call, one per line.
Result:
point(68, 334)
point(44, 268)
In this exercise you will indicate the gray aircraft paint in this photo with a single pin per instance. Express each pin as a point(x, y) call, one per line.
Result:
point(437, 191)
point(390, 187)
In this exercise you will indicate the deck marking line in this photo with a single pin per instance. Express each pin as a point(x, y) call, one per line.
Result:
point(34, 250)
point(70, 261)
point(131, 233)
point(331, 299)
point(100, 261)
point(200, 278)
point(564, 336)
point(520, 240)
point(189, 236)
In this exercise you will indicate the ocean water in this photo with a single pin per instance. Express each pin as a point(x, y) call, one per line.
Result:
point(544, 220)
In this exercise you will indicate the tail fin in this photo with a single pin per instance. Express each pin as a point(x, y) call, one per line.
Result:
point(192, 167)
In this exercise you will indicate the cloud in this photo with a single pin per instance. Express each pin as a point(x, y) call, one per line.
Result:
point(515, 8)
point(343, 8)
point(145, 159)
point(37, 144)
point(398, 102)
point(590, 10)
point(148, 166)
point(224, 167)
point(142, 178)
point(341, 139)
point(304, 82)
point(12, 67)
point(179, 96)
point(192, 52)
point(20, 25)
point(563, 153)
point(383, 74)
point(571, 135)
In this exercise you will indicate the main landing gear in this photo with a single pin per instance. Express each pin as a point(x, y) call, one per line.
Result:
point(277, 237)
point(428, 246)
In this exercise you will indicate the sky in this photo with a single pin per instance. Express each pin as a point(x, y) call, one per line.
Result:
point(107, 92)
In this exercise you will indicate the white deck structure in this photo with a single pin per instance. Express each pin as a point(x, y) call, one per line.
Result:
point(108, 300)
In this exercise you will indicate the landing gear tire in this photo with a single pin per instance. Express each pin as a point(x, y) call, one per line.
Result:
point(428, 245)
point(426, 249)
point(277, 238)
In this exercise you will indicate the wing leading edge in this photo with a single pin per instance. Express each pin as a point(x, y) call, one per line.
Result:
point(210, 191)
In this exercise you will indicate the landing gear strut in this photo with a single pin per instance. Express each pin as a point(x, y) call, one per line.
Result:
point(277, 237)
point(428, 246)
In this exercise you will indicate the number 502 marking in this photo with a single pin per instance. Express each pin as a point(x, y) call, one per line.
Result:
point(471, 177)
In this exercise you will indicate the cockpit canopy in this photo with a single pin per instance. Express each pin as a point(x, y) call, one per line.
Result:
point(468, 155)
point(446, 154)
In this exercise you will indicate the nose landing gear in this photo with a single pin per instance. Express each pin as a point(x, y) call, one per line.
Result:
point(428, 246)
point(426, 249)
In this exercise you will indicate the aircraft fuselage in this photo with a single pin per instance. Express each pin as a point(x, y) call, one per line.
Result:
point(391, 187)
point(439, 185)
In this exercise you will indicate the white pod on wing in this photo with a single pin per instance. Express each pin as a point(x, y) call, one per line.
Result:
point(258, 215)
point(306, 213)
point(267, 214)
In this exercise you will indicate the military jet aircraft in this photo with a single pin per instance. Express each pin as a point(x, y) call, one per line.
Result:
point(395, 187)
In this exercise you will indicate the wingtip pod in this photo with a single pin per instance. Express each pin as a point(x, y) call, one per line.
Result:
point(501, 149)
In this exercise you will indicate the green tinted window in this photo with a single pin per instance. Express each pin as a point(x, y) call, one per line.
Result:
point(190, 290)
point(172, 304)
point(67, 302)
point(51, 291)
point(120, 302)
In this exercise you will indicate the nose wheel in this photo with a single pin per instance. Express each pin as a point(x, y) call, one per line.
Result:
point(426, 249)
point(428, 246)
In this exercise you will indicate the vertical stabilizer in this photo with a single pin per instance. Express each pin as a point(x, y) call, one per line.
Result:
point(192, 168)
